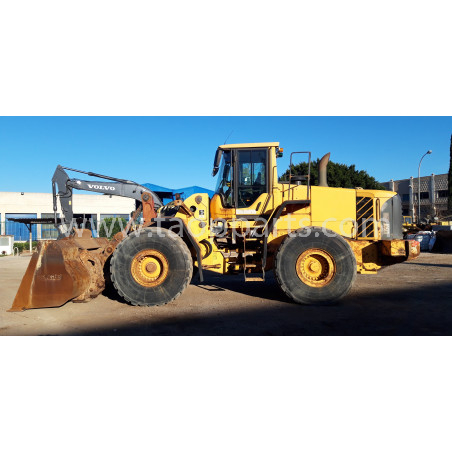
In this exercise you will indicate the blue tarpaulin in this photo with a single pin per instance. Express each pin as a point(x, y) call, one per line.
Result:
point(167, 194)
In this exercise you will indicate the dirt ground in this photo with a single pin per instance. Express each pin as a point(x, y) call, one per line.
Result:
point(413, 298)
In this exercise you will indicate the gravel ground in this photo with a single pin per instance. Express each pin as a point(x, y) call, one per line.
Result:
point(413, 298)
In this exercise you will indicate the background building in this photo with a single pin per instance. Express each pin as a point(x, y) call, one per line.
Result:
point(434, 193)
point(92, 208)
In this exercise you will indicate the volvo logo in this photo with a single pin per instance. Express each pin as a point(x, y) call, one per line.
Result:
point(101, 187)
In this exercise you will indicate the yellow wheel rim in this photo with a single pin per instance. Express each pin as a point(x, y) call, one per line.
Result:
point(315, 267)
point(149, 268)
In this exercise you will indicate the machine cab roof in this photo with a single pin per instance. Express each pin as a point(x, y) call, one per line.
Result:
point(249, 145)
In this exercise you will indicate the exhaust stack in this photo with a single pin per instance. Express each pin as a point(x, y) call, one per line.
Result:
point(322, 170)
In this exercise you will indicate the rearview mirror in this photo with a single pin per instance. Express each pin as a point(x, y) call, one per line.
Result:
point(216, 161)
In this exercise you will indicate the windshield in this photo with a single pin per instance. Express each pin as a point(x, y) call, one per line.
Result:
point(224, 183)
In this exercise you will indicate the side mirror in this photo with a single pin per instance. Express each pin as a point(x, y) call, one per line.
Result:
point(216, 161)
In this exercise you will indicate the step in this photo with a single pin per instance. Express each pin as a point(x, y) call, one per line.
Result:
point(254, 278)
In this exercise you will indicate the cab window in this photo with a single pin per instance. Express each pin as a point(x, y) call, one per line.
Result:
point(224, 184)
point(252, 176)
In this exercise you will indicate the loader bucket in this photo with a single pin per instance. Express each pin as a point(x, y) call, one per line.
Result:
point(62, 270)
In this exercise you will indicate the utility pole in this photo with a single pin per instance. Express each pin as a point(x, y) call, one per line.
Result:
point(419, 188)
point(449, 182)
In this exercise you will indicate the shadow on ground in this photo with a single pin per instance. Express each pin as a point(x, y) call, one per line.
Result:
point(425, 310)
point(427, 264)
point(214, 283)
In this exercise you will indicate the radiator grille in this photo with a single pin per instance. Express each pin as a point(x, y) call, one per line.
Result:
point(365, 217)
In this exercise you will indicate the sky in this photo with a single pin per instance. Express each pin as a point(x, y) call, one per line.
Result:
point(179, 151)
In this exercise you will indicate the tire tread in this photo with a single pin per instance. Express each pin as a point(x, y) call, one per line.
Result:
point(178, 243)
point(280, 253)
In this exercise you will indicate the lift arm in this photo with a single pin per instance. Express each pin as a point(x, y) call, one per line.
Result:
point(62, 186)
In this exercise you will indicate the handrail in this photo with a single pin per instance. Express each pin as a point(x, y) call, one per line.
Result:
point(308, 191)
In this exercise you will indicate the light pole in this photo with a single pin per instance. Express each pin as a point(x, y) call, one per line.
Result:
point(419, 188)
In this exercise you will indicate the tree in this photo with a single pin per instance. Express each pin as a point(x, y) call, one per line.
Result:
point(110, 226)
point(338, 175)
point(449, 180)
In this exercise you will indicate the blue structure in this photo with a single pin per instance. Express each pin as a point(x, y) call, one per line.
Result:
point(167, 194)
point(20, 230)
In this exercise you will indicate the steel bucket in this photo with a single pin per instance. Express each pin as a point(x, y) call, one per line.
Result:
point(63, 270)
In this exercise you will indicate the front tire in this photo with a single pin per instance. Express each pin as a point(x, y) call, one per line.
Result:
point(316, 268)
point(151, 268)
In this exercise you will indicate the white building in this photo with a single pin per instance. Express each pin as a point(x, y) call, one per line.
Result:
point(90, 207)
point(434, 195)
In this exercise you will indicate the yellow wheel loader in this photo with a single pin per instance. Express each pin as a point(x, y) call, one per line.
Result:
point(315, 238)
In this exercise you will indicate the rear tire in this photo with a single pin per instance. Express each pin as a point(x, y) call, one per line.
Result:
point(150, 270)
point(315, 269)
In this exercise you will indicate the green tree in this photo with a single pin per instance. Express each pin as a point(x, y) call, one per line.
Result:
point(338, 175)
point(449, 180)
point(111, 226)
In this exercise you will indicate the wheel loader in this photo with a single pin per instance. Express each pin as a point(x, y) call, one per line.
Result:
point(315, 238)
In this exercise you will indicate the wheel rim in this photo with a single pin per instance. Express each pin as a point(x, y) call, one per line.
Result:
point(315, 267)
point(149, 268)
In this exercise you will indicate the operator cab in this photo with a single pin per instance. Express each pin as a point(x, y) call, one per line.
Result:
point(243, 173)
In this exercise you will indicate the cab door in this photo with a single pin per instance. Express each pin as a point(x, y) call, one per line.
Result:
point(251, 181)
